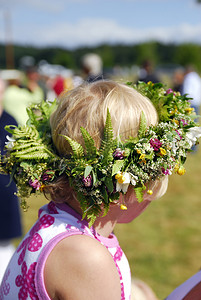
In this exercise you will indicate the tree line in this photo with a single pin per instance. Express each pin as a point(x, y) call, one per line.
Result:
point(112, 55)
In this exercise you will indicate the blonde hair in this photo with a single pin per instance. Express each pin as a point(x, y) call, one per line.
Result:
point(87, 106)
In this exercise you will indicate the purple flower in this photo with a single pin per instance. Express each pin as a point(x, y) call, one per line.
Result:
point(47, 176)
point(183, 122)
point(156, 144)
point(35, 184)
point(170, 91)
point(118, 154)
point(166, 171)
point(87, 181)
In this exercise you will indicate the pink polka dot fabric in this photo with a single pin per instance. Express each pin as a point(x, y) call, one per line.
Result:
point(24, 278)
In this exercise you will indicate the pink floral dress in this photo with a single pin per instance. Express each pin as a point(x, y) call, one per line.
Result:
point(24, 278)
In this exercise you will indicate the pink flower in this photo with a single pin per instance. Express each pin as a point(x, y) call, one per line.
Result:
point(35, 184)
point(170, 91)
point(183, 122)
point(87, 181)
point(156, 144)
point(166, 171)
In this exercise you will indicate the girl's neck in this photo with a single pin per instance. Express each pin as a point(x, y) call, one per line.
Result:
point(103, 225)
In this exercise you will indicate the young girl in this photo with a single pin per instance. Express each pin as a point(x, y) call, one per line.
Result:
point(108, 156)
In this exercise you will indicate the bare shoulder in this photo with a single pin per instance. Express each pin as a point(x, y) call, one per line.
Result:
point(79, 267)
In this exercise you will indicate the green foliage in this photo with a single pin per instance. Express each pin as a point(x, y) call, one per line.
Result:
point(189, 54)
point(117, 166)
point(77, 149)
point(121, 55)
point(143, 125)
point(100, 175)
point(139, 192)
point(91, 150)
point(29, 145)
point(107, 145)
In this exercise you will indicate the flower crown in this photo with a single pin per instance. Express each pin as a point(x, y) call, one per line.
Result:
point(100, 175)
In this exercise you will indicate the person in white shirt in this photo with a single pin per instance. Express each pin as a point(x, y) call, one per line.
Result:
point(192, 87)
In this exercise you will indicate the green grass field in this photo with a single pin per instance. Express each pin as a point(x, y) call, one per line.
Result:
point(163, 245)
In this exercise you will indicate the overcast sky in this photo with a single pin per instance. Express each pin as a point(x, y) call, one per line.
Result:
point(74, 23)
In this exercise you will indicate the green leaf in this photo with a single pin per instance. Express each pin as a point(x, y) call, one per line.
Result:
point(143, 125)
point(109, 184)
point(117, 166)
point(87, 171)
point(94, 177)
point(105, 194)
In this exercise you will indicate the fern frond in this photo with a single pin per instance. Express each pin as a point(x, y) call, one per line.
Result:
point(92, 218)
point(139, 193)
point(77, 149)
point(91, 150)
point(143, 125)
point(92, 214)
point(106, 209)
point(107, 144)
point(23, 132)
point(25, 145)
point(35, 156)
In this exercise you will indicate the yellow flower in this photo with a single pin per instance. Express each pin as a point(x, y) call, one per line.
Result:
point(123, 181)
point(162, 151)
point(175, 121)
point(150, 83)
point(123, 207)
point(189, 110)
point(138, 151)
point(176, 167)
point(42, 187)
point(150, 192)
point(120, 178)
point(142, 157)
point(181, 170)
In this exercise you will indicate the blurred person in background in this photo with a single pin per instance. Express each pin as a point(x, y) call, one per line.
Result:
point(178, 78)
point(33, 80)
point(18, 96)
point(192, 87)
point(10, 220)
point(92, 67)
point(147, 72)
point(34, 84)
